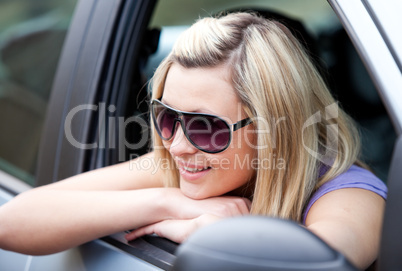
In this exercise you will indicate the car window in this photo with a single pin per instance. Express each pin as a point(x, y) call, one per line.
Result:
point(330, 47)
point(31, 38)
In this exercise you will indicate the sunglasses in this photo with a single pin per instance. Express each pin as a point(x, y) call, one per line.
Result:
point(208, 133)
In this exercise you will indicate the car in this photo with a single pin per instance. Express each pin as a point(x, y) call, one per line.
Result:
point(73, 97)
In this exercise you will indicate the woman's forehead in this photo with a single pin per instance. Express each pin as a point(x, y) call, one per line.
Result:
point(207, 90)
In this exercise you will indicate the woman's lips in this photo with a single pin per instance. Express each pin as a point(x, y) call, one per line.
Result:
point(193, 172)
point(194, 169)
point(192, 176)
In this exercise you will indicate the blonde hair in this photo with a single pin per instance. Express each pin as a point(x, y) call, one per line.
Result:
point(274, 78)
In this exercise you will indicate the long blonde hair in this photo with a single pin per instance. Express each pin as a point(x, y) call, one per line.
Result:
point(275, 79)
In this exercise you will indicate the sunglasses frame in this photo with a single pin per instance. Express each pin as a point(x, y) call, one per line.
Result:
point(232, 127)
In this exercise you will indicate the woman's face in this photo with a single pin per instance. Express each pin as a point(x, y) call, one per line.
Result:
point(208, 90)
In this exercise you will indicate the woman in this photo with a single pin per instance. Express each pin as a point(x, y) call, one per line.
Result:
point(243, 124)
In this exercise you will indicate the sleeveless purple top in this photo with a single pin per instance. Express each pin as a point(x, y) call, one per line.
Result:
point(355, 177)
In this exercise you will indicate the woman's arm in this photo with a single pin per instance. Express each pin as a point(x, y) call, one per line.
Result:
point(350, 221)
point(63, 214)
point(101, 202)
point(48, 221)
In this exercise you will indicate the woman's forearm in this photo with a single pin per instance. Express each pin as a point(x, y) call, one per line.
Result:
point(59, 216)
point(45, 221)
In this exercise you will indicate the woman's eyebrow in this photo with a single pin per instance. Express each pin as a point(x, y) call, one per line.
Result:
point(198, 110)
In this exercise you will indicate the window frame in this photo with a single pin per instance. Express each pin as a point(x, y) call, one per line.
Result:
point(371, 40)
point(77, 82)
point(97, 70)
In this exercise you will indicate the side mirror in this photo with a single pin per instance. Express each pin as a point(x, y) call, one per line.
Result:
point(257, 243)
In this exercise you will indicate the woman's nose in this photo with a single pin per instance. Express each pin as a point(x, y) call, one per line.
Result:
point(180, 144)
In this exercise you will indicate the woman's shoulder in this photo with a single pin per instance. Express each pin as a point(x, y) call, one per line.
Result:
point(354, 177)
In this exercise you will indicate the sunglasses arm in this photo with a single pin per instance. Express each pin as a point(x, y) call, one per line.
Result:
point(241, 124)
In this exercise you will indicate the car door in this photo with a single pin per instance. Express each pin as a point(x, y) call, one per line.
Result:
point(373, 28)
point(66, 126)
point(31, 39)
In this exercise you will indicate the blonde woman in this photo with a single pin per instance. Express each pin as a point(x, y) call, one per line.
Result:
point(243, 124)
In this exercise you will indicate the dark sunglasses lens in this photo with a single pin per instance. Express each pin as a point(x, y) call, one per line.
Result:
point(165, 120)
point(208, 133)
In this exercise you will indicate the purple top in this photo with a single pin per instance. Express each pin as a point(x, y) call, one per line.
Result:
point(355, 177)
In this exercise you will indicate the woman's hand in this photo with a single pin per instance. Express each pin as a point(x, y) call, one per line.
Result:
point(182, 207)
point(186, 215)
point(175, 230)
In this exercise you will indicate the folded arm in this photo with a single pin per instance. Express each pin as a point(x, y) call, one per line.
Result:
point(65, 214)
point(70, 212)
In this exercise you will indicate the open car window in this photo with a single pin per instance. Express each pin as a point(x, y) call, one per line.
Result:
point(317, 25)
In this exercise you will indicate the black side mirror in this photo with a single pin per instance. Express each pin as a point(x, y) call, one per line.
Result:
point(257, 243)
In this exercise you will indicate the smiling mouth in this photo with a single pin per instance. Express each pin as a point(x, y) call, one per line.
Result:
point(195, 170)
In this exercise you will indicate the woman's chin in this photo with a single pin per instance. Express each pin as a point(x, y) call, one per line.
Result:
point(192, 194)
point(193, 191)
